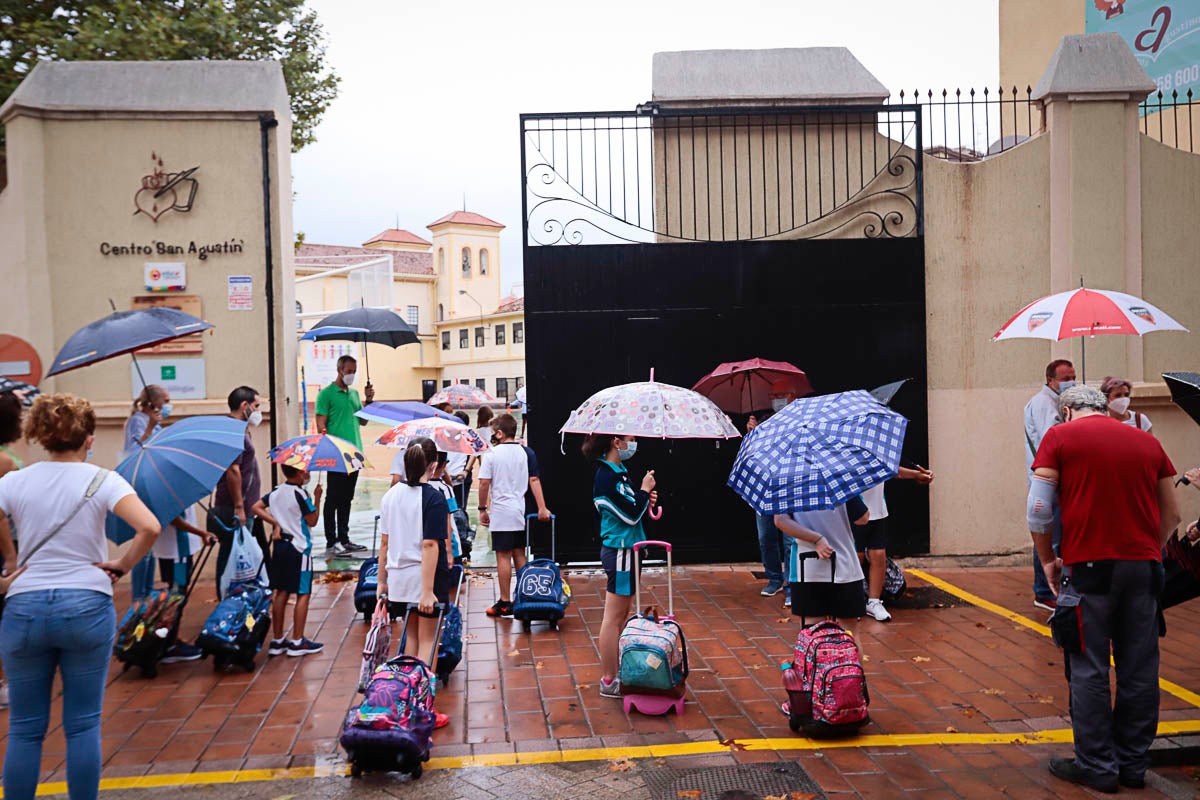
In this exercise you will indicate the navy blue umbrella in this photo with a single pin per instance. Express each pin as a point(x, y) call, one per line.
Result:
point(818, 452)
point(124, 332)
point(376, 325)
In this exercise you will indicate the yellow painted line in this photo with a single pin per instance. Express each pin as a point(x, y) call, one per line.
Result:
point(1186, 695)
point(1058, 736)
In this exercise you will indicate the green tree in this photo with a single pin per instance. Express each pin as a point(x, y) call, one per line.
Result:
point(179, 30)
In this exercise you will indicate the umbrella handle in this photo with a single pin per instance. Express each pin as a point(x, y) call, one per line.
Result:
point(655, 513)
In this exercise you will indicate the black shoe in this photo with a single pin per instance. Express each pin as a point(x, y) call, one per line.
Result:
point(352, 547)
point(1068, 770)
point(1131, 781)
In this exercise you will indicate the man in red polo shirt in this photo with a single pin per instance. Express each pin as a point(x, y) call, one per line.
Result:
point(1114, 487)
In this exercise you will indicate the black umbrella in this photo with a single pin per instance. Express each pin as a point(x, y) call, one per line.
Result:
point(1185, 391)
point(885, 393)
point(380, 325)
point(28, 391)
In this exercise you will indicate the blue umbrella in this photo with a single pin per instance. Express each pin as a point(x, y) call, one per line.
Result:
point(178, 467)
point(392, 414)
point(329, 332)
point(818, 453)
point(124, 332)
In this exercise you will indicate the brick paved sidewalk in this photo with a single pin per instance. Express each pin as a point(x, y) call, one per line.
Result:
point(957, 682)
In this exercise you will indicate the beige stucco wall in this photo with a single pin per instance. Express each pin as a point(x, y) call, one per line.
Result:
point(1030, 30)
point(71, 186)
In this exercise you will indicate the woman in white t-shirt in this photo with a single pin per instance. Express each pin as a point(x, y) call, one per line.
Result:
point(1117, 390)
point(414, 570)
point(59, 611)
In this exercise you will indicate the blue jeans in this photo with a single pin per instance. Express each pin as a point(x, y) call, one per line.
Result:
point(770, 546)
point(142, 577)
point(67, 630)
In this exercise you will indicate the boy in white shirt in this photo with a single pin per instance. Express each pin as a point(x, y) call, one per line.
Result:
point(291, 513)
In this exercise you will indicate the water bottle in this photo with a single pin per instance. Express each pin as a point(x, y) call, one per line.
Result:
point(800, 700)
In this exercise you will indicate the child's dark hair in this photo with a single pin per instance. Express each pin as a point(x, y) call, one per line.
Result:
point(462, 416)
point(484, 416)
point(10, 418)
point(506, 424)
point(420, 454)
point(597, 445)
point(290, 472)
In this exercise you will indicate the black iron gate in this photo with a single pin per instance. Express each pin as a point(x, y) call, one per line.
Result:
point(741, 247)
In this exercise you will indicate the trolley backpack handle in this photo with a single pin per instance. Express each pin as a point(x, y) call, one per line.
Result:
point(637, 577)
point(832, 571)
point(529, 518)
point(437, 640)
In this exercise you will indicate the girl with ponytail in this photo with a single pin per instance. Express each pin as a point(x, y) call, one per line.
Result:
point(414, 564)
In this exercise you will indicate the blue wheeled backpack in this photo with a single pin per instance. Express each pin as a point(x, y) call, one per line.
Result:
point(541, 593)
point(366, 588)
point(237, 627)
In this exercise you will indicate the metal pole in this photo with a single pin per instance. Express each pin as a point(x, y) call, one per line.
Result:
point(265, 123)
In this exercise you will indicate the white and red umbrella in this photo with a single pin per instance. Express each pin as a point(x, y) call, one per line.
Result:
point(1086, 312)
point(450, 437)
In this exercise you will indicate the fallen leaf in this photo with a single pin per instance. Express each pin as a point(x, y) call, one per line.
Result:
point(981, 625)
point(660, 762)
point(951, 729)
point(775, 797)
point(782, 620)
point(491, 686)
point(583, 687)
point(866, 659)
point(969, 712)
point(920, 659)
point(514, 653)
point(539, 665)
point(284, 797)
point(755, 666)
point(1042, 698)
point(802, 796)
point(620, 765)
point(689, 794)
point(994, 692)
point(732, 744)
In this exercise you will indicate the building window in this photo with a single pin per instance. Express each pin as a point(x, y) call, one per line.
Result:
point(464, 381)
point(479, 338)
point(441, 261)
point(441, 312)
point(502, 388)
point(481, 384)
point(483, 262)
point(466, 262)
point(445, 340)
point(464, 339)
point(446, 384)
point(500, 334)
point(518, 332)
point(299, 311)
point(412, 315)
point(520, 383)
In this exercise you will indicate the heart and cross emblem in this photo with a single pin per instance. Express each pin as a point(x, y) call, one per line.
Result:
point(163, 191)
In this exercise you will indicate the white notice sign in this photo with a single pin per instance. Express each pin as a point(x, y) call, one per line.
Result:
point(182, 377)
point(241, 293)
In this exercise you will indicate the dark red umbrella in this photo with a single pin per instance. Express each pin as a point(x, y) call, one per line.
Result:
point(741, 387)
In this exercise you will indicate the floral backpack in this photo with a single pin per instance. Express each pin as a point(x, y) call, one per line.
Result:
point(399, 696)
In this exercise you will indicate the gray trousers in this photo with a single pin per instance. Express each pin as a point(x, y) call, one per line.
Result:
point(1112, 739)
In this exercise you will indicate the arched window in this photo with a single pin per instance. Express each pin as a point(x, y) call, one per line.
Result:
point(466, 262)
point(441, 312)
point(483, 262)
point(441, 261)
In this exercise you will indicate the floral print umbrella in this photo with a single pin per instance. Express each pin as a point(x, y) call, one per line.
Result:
point(450, 437)
point(651, 409)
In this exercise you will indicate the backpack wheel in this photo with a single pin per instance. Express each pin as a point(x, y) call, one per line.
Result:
point(794, 724)
point(249, 665)
point(553, 624)
point(416, 771)
point(150, 671)
point(219, 664)
point(526, 625)
point(355, 770)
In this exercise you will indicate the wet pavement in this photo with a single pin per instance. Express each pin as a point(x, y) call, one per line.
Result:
point(968, 700)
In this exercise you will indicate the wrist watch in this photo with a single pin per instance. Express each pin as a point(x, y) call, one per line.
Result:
point(483, 508)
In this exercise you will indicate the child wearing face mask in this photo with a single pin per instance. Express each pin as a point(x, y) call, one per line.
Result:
point(1117, 391)
point(622, 509)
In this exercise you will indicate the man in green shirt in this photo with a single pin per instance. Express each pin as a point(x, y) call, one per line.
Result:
point(336, 405)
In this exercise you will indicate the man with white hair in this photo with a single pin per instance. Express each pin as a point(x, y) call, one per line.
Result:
point(1114, 487)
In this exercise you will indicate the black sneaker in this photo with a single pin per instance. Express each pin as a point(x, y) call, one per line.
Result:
point(1132, 781)
point(182, 651)
point(1068, 770)
point(352, 547)
point(304, 647)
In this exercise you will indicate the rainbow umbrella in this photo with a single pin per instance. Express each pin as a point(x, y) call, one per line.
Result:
point(319, 452)
point(450, 437)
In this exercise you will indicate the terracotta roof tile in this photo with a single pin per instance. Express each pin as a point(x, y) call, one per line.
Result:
point(510, 304)
point(403, 262)
point(466, 218)
point(397, 236)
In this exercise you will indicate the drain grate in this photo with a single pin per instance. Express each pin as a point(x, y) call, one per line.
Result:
point(926, 597)
point(743, 782)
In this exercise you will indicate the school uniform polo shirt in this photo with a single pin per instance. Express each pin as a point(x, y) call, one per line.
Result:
point(338, 405)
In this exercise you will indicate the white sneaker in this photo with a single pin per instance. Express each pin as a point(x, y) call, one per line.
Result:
point(875, 609)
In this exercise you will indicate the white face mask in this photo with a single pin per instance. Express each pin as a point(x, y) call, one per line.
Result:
point(1119, 405)
point(166, 410)
point(629, 451)
point(349, 377)
point(255, 418)
point(778, 404)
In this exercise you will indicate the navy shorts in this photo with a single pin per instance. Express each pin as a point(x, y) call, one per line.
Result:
point(837, 600)
point(290, 570)
point(872, 536)
point(618, 568)
point(508, 540)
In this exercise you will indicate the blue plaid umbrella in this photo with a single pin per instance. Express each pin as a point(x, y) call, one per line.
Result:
point(818, 453)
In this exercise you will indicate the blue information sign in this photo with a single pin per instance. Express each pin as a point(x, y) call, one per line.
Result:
point(1163, 34)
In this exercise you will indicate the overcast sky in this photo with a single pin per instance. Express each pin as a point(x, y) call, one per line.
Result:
point(431, 91)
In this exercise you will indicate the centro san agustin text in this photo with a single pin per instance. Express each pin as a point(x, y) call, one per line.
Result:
point(157, 248)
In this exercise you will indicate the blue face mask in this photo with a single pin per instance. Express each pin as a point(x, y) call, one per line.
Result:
point(89, 456)
point(1062, 387)
point(628, 452)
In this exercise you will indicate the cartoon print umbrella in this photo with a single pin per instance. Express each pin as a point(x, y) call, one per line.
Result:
point(178, 467)
point(463, 395)
point(449, 436)
point(651, 409)
point(1086, 312)
point(818, 452)
point(744, 387)
point(319, 452)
